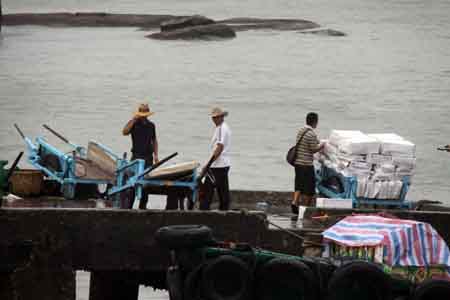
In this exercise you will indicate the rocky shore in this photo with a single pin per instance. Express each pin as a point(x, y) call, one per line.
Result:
point(176, 27)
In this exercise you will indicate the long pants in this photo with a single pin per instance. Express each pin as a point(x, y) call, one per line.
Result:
point(220, 176)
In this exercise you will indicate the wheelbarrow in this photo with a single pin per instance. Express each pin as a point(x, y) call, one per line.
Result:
point(176, 181)
point(92, 166)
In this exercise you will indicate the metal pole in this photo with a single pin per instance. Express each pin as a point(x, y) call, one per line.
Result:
point(1, 15)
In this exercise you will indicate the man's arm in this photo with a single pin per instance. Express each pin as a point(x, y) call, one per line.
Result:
point(127, 129)
point(216, 153)
point(317, 146)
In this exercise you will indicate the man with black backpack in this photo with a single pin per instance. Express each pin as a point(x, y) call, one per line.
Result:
point(305, 181)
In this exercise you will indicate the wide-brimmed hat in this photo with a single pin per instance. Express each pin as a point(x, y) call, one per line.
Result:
point(143, 111)
point(218, 112)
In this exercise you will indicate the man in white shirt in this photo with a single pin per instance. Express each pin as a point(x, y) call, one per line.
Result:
point(220, 145)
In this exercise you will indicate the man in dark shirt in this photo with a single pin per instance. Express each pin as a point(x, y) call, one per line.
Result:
point(144, 142)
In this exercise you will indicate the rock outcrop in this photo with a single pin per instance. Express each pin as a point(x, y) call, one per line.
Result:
point(242, 24)
point(183, 22)
point(93, 19)
point(172, 27)
point(202, 32)
point(327, 32)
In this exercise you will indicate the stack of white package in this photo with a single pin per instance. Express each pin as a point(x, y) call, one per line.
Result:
point(346, 152)
point(379, 161)
point(398, 156)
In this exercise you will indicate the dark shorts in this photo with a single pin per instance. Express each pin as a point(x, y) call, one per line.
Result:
point(305, 180)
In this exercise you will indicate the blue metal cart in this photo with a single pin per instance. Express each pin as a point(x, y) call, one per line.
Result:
point(134, 175)
point(347, 187)
point(98, 165)
point(94, 165)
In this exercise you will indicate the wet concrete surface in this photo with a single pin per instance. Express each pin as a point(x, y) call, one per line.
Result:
point(277, 215)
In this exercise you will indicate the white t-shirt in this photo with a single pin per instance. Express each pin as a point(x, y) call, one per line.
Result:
point(222, 135)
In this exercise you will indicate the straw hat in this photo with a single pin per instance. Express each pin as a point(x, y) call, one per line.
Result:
point(217, 112)
point(143, 111)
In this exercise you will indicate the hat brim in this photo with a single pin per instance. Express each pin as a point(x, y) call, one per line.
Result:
point(223, 114)
point(143, 114)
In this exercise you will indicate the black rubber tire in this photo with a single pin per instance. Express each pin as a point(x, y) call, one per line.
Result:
point(184, 236)
point(359, 280)
point(174, 283)
point(432, 289)
point(192, 287)
point(227, 278)
point(322, 269)
point(286, 279)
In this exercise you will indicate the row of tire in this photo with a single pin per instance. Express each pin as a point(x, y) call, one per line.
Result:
point(230, 278)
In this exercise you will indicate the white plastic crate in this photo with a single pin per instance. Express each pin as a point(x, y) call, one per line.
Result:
point(334, 203)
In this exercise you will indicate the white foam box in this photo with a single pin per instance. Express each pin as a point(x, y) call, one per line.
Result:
point(337, 136)
point(334, 203)
point(386, 136)
point(378, 159)
point(392, 143)
point(361, 145)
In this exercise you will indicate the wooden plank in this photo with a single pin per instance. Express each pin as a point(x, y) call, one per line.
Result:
point(174, 171)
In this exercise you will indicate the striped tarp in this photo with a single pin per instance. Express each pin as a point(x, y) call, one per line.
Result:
point(404, 242)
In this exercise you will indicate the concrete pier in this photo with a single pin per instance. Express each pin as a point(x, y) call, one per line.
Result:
point(116, 246)
point(119, 249)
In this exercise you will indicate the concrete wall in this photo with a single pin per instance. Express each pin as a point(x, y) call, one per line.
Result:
point(111, 243)
point(113, 239)
point(107, 239)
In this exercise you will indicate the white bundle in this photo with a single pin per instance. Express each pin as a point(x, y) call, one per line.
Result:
point(378, 159)
point(358, 169)
point(395, 188)
point(372, 189)
point(378, 175)
point(337, 136)
point(361, 145)
point(379, 189)
point(400, 173)
point(361, 186)
point(392, 143)
point(404, 162)
point(351, 157)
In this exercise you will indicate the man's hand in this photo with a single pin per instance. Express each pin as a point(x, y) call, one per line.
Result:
point(322, 146)
point(127, 129)
point(156, 159)
point(203, 171)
